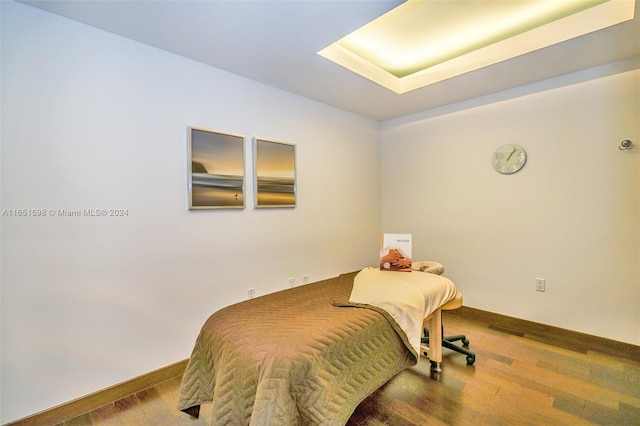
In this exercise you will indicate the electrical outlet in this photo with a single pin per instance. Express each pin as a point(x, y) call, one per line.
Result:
point(251, 293)
point(540, 284)
point(292, 282)
point(305, 279)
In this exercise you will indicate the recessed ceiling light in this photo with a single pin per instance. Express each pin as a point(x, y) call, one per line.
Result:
point(425, 41)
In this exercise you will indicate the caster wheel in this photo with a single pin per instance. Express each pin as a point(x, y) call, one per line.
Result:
point(471, 359)
point(465, 342)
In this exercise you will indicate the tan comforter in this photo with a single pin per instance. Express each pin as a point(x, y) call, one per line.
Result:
point(299, 356)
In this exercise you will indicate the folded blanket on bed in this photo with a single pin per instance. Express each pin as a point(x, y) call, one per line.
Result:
point(408, 298)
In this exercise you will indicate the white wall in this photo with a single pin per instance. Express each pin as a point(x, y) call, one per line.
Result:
point(92, 120)
point(570, 216)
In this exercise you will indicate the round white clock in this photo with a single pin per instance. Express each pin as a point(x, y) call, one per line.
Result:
point(509, 159)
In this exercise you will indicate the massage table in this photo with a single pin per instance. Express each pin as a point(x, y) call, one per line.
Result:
point(306, 355)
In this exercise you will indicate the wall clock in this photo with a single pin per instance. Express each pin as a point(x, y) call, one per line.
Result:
point(508, 159)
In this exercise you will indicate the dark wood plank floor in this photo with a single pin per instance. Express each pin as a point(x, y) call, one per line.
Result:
point(516, 380)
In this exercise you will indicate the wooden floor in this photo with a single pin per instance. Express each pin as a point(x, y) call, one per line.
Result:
point(516, 380)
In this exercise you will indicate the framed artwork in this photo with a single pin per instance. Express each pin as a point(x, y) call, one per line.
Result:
point(216, 169)
point(274, 171)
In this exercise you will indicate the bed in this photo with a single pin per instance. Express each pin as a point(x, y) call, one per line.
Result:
point(306, 355)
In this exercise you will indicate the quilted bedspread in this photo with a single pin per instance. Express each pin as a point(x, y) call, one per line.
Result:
point(296, 357)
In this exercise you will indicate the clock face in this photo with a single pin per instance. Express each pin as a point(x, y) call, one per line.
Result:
point(508, 159)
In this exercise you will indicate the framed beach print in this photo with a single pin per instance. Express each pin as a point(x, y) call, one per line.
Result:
point(216, 169)
point(274, 173)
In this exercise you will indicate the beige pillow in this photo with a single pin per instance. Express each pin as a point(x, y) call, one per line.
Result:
point(428, 266)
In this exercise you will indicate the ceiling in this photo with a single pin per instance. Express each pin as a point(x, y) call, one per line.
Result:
point(276, 43)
